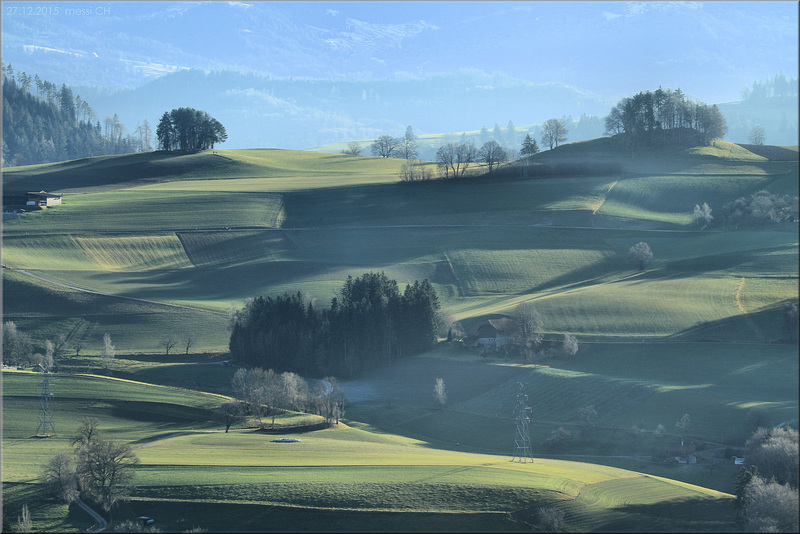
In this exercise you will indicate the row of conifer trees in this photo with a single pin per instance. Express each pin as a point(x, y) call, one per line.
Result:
point(43, 123)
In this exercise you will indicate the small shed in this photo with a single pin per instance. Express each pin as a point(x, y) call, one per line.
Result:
point(38, 368)
point(43, 199)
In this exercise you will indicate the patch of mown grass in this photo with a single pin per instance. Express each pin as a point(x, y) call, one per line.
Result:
point(135, 210)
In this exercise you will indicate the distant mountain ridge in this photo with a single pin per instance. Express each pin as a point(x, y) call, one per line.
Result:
point(261, 111)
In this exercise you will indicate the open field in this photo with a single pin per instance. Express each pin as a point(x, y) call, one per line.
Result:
point(342, 472)
point(152, 244)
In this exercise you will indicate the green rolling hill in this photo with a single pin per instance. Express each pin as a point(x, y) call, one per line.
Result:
point(148, 244)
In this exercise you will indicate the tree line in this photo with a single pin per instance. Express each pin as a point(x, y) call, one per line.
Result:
point(779, 86)
point(370, 323)
point(263, 393)
point(665, 117)
point(189, 129)
point(43, 123)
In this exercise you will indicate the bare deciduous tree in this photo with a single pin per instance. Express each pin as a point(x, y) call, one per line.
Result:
point(684, 424)
point(493, 155)
point(295, 391)
point(188, 341)
point(640, 254)
point(455, 158)
point(229, 413)
point(439, 393)
point(354, 148)
point(329, 399)
point(756, 136)
point(570, 345)
point(702, 215)
point(385, 146)
point(415, 171)
point(168, 341)
point(109, 351)
point(107, 468)
point(554, 132)
point(58, 479)
point(527, 324)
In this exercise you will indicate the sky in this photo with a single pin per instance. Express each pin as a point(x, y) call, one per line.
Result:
point(711, 50)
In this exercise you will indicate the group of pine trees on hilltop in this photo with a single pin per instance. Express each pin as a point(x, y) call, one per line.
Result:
point(189, 129)
point(43, 123)
point(369, 324)
point(665, 117)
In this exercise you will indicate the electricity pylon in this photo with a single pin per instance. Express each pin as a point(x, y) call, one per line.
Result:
point(522, 437)
point(45, 428)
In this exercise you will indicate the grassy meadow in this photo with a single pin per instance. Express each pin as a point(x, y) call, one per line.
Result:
point(151, 244)
point(393, 482)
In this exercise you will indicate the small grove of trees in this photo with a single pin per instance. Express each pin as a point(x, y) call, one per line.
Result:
point(371, 322)
point(766, 489)
point(387, 146)
point(759, 208)
point(267, 393)
point(189, 129)
point(454, 159)
point(415, 171)
point(18, 348)
point(17, 345)
point(665, 117)
point(103, 473)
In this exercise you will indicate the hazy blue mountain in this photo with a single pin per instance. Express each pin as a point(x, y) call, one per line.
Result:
point(259, 111)
point(335, 70)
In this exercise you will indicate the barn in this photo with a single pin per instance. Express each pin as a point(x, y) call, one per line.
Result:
point(43, 199)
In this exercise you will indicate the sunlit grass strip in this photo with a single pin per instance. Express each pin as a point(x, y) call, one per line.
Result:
point(46, 252)
point(135, 253)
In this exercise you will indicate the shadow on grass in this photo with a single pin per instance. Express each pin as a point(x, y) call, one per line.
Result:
point(702, 514)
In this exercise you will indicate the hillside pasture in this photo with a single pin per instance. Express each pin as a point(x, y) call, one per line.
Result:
point(135, 326)
point(343, 471)
point(139, 211)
